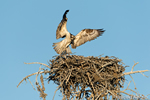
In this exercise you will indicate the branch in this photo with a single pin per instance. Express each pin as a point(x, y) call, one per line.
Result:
point(32, 75)
point(128, 73)
point(134, 66)
point(38, 63)
point(133, 81)
point(55, 92)
point(91, 83)
point(31, 83)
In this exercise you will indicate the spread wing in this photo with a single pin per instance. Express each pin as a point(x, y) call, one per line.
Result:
point(86, 35)
point(61, 29)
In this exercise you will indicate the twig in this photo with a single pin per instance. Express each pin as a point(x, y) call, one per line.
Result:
point(38, 63)
point(38, 74)
point(124, 93)
point(144, 75)
point(32, 75)
point(31, 83)
point(108, 64)
point(134, 66)
point(97, 71)
point(128, 73)
point(133, 81)
point(55, 92)
point(69, 76)
point(91, 82)
point(129, 84)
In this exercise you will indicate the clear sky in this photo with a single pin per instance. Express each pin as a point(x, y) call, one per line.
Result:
point(28, 30)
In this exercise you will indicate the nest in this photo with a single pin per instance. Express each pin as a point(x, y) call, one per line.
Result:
point(79, 77)
point(87, 77)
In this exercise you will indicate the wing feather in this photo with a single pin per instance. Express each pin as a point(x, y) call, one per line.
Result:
point(86, 35)
point(61, 29)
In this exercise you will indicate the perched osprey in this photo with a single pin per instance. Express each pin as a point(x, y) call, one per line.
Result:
point(82, 37)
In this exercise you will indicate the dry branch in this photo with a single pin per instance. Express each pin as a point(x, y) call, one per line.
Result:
point(141, 71)
point(32, 75)
point(38, 63)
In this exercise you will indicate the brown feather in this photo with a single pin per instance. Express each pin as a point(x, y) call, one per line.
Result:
point(86, 35)
point(61, 29)
point(59, 32)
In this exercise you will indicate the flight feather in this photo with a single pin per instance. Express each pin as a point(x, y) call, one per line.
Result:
point(61, 29)
point(86, 35)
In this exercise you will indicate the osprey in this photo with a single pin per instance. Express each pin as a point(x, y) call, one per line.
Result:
point(75, 41)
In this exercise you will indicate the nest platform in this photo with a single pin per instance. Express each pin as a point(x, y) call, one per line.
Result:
point(87, 77)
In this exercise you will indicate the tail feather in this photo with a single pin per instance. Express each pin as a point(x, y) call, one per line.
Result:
point(68, 50)
point(60, 48)
point(57, 47)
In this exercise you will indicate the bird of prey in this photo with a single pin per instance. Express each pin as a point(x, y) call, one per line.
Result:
point(75, 41)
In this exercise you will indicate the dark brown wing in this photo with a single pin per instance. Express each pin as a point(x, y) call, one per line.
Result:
point(86, 35)
point(61, 29)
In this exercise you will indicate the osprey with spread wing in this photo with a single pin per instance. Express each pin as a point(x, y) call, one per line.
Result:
point(75, 41)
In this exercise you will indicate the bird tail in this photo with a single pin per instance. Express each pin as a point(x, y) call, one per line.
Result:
point(57, 47)
point(68, 50)
point(60, 48)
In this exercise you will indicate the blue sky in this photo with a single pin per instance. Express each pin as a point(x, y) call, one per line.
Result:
point(28, 30)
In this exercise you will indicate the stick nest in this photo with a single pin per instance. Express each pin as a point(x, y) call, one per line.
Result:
point(87, 77)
